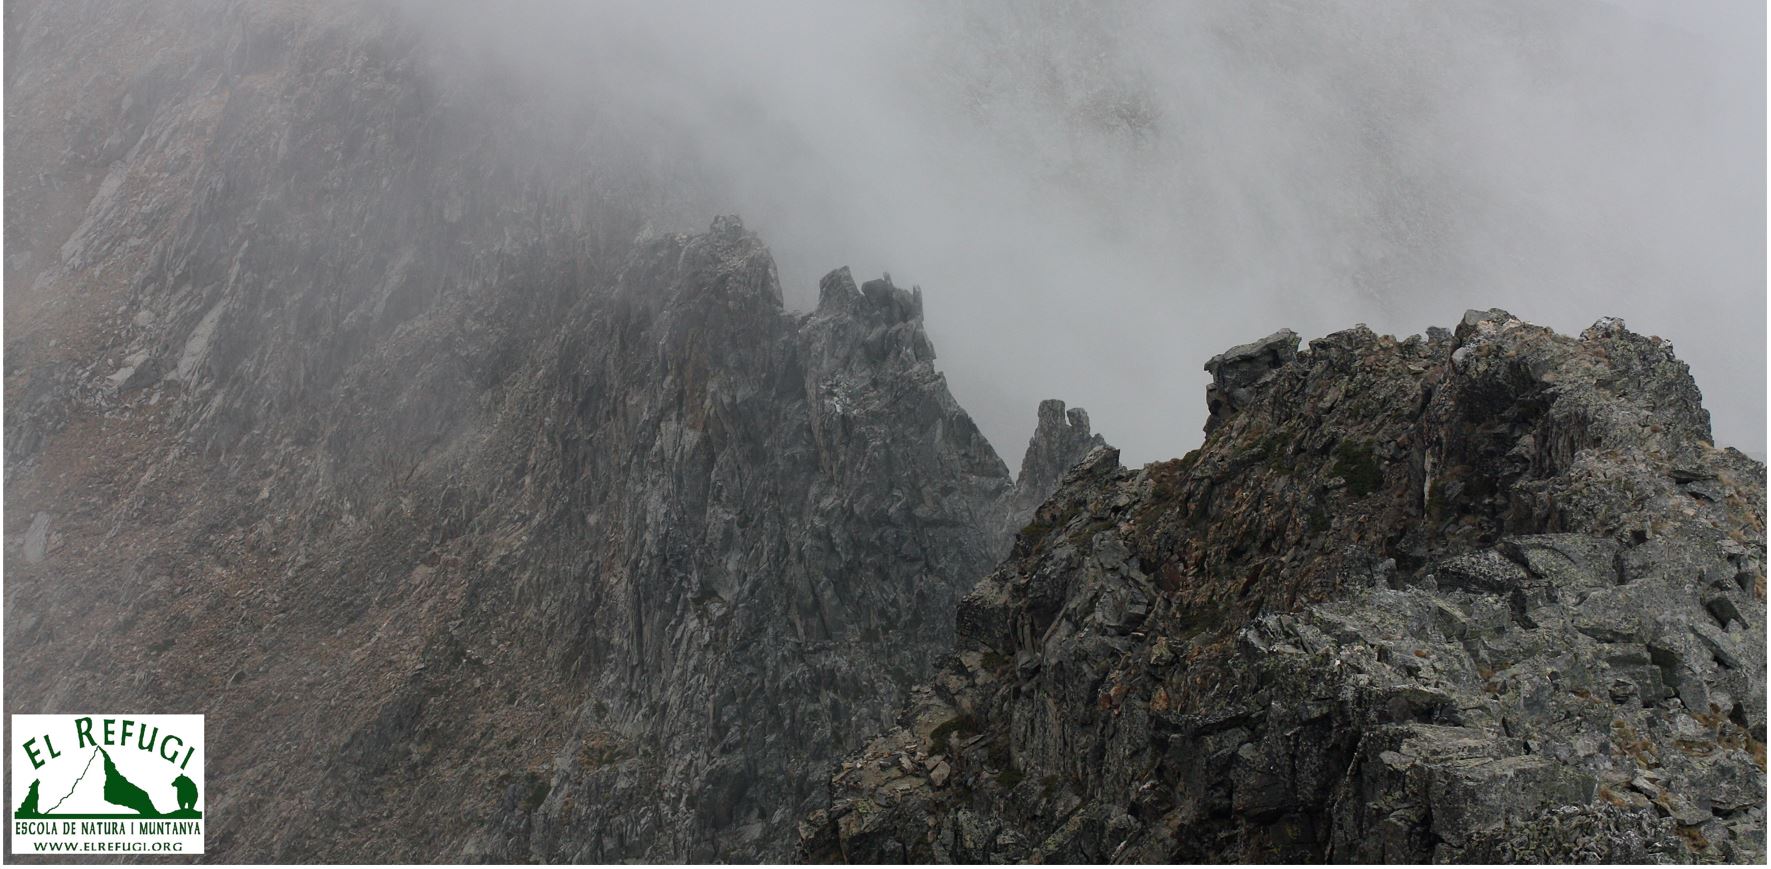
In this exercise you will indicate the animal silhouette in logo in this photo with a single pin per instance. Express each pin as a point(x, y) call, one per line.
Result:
point(28, 808)
point(187, 792)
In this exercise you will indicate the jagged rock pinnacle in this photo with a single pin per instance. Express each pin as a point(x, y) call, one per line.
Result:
point(1060, 440)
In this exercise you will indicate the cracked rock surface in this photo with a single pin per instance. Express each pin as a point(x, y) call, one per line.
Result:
point(482, 520)
point(1491, 595)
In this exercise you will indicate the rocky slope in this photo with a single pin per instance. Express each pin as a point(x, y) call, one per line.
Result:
point(1490, 595)
point(481, 521)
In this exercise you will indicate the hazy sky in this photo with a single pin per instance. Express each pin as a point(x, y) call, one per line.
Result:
point(1096, 198)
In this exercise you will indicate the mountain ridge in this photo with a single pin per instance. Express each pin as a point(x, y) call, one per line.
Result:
point(1486, 595)
point(360, 407)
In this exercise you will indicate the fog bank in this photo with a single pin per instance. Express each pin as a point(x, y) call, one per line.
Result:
point(1096, 198)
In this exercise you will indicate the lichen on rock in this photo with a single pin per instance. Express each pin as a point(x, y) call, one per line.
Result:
point(1490, 595)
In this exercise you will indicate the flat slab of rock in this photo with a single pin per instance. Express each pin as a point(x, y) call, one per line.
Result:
point(37, 539)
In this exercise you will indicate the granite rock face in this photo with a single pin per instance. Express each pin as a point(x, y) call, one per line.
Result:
point(483, 521)
point(1061, 440)
point(1491, 595)
point(1236, 371)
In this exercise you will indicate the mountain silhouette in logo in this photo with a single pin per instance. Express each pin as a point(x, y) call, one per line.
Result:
point(118, 791)
point(121, 791)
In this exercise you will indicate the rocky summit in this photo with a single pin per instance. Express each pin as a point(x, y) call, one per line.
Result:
point(482, 520)
point(1487, 595)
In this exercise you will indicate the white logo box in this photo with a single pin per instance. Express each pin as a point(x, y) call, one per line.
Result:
point(93, 784)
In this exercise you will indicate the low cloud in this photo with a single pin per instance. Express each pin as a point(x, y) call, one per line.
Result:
point(1096, 198)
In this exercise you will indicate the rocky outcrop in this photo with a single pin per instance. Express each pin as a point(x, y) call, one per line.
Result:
point(1236, 371)
point(1060, 440)
point(493, 523)
point(1491, 595)
point(776, 512)
point(707, 540)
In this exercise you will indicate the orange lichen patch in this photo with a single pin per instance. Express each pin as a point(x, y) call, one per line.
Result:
point(1113, 695)
point(1711, 718)
point(1638, 747)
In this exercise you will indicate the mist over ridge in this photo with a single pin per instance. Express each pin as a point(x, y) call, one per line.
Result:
point(1096, 198)
point(502, 403)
